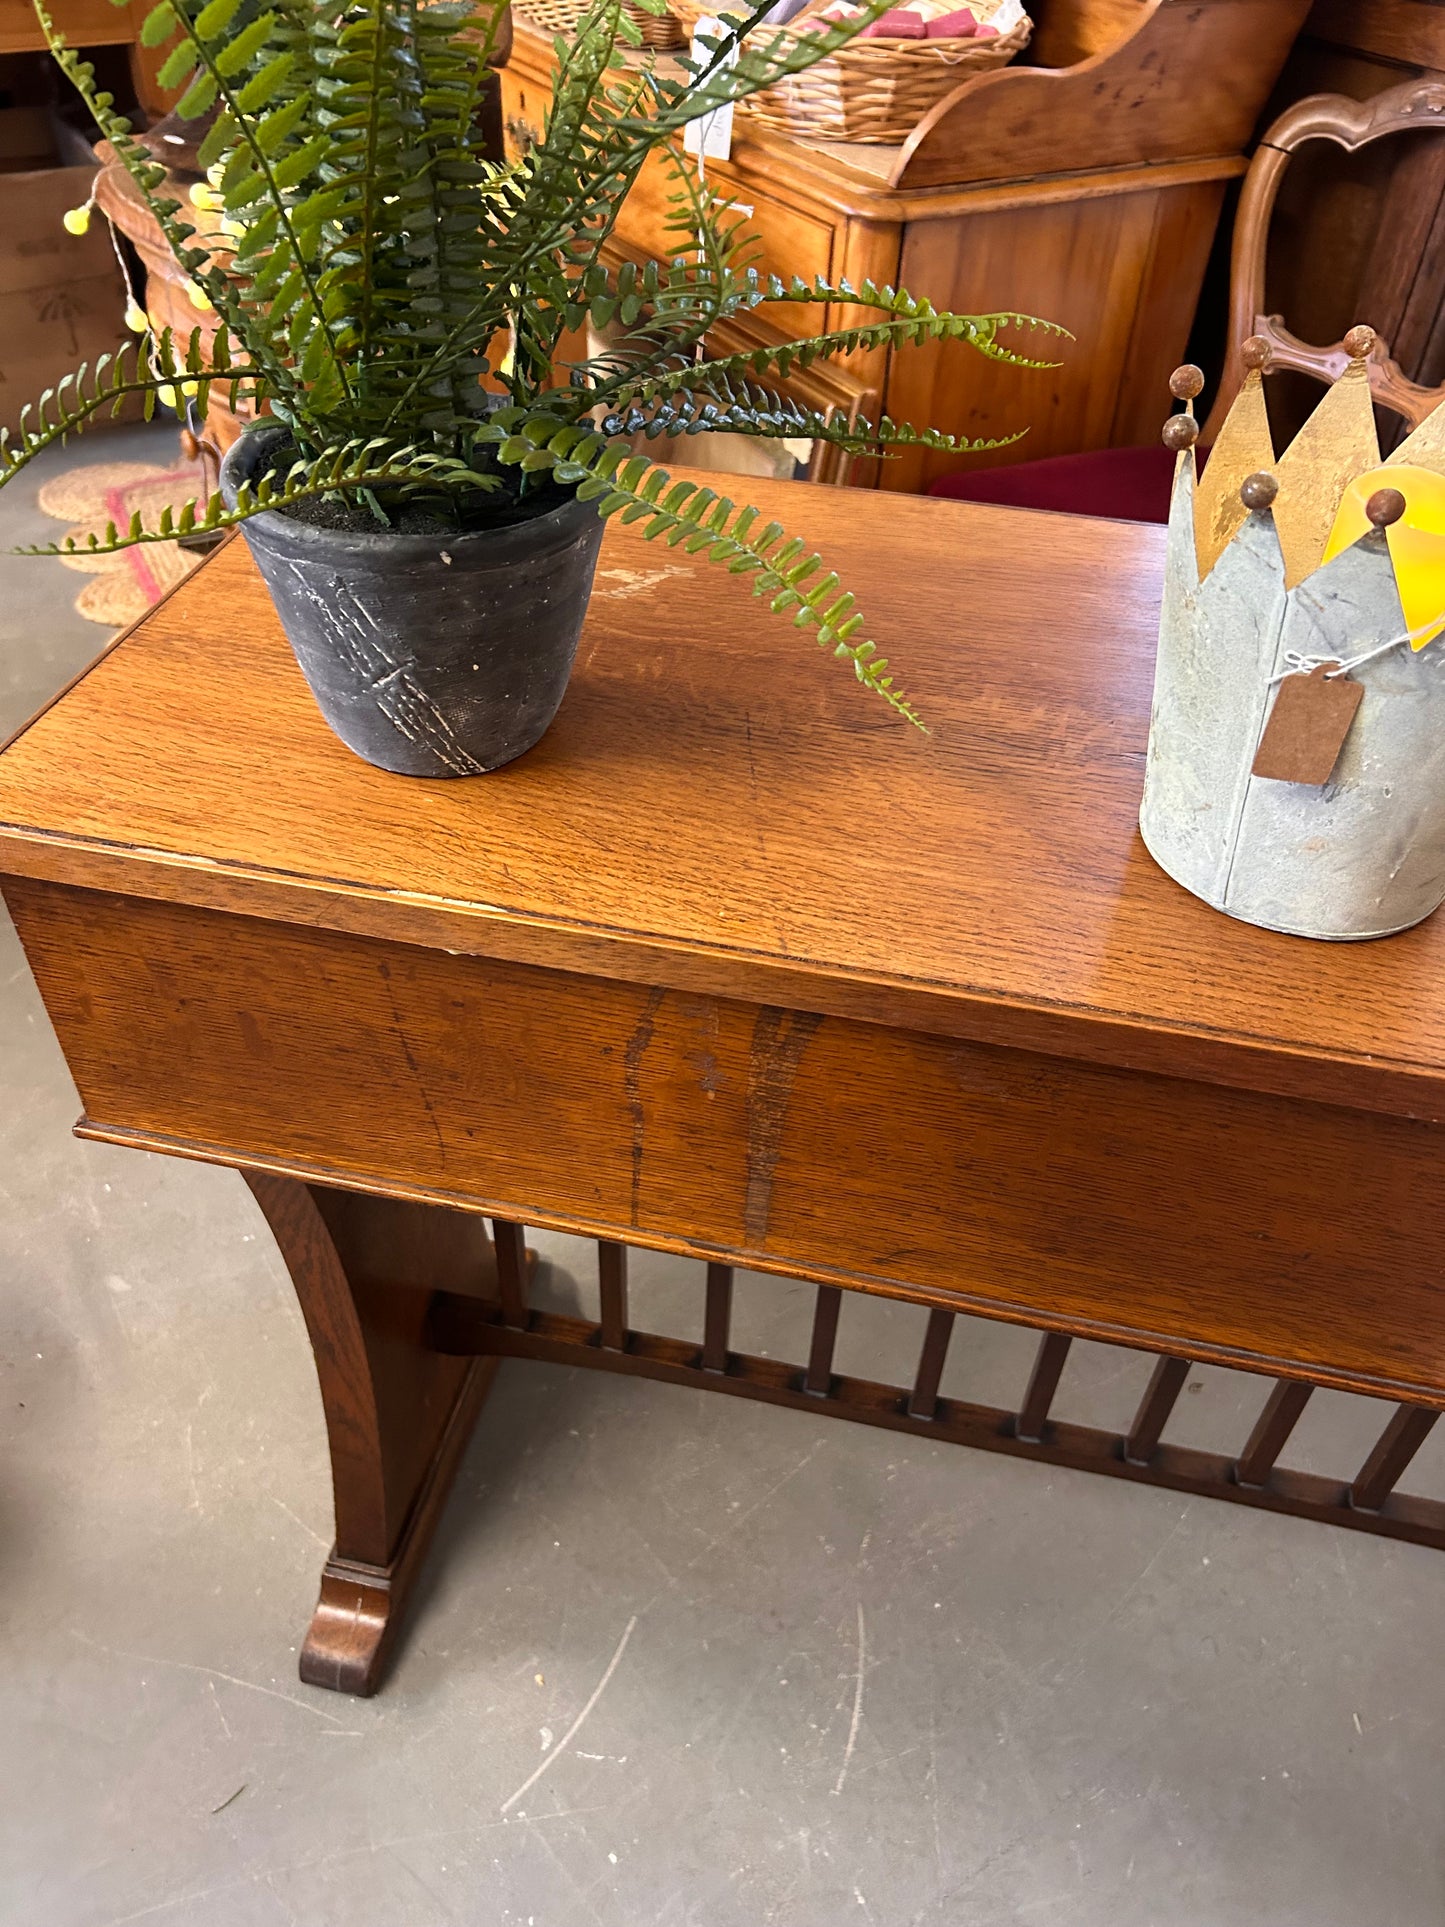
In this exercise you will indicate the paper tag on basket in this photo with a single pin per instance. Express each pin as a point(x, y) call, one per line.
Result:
point(1005, 16)
point(1307, 726)
point(710, 136)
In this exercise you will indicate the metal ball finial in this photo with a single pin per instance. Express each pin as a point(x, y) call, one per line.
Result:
point(1385, 506)
point(1186, 382)
point(1180, 431)
point(1258, 491)
point(1257, 352)
point(1360, 343)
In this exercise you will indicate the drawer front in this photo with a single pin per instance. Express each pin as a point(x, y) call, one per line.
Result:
point(1011, 1183)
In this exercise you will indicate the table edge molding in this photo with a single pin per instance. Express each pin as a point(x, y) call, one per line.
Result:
point(1125, 1041)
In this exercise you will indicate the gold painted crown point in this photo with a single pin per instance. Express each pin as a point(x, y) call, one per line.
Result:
point(1244, 446)
point(1336, 444)
point(1425, 448)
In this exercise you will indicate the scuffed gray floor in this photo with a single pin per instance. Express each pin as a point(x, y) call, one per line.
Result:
point(848, 1676)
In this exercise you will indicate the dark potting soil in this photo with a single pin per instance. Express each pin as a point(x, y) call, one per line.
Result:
point(463, 515)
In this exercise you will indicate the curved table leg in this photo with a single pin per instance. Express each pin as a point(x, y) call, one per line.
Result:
point(398, 1414)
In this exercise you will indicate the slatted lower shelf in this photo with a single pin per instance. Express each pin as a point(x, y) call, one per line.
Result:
point(1369, 1503)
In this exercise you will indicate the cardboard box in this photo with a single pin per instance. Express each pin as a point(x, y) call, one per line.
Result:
point(62, 300)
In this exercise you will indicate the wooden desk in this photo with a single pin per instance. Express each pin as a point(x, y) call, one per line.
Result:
point(736, 965)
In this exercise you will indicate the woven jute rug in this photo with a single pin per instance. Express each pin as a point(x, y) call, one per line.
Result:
point(124, 585)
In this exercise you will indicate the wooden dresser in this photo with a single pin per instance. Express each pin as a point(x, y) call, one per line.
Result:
point(1085, 187)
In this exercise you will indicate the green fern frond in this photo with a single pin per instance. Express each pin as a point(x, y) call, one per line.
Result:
point(352, 469)
point(766, 415)
point(102, 388)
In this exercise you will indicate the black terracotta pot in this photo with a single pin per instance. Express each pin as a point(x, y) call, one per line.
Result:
point(429, 655)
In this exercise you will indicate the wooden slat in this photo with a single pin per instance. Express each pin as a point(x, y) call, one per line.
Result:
point(819, 1375)
point(612, 1284)
point(717, 1318)
point(461, 1325)
point(1165, 1385)
point(1280, 1416)
point(1397, 1445)
point(1043, 1383)
point(923, 1403)
point(510, 1243)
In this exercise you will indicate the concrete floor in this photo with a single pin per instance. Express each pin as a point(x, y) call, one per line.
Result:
point(861, 1678)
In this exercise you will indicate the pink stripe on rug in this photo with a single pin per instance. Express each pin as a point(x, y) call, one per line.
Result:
point(117, 508)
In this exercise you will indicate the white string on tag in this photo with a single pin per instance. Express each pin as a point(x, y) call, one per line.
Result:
point(1298, 664)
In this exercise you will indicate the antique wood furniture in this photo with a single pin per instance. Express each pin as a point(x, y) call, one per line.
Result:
point(1360, 233)
point(737, 965)
point(1136, 483)
point(90, 23)
point(1417, 106)
point(1084, 187)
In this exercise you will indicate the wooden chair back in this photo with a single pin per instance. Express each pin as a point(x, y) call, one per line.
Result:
point(1417, 104)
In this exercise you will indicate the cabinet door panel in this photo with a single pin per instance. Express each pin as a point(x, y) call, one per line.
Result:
point(1121, 272)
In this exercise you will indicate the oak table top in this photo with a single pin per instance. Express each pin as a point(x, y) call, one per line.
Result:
point(738, 817)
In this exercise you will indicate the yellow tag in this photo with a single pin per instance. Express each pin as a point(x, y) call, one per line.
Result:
point(1417, 541)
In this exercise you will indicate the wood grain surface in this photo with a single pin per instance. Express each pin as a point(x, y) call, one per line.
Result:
point(1144, 80)
point(735, 964)
point(718, 808)
point(1226, 1224)
point(1411, 30)
point(398, 1415)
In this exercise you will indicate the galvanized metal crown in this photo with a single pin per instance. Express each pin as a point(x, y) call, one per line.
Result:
point(1249, 597)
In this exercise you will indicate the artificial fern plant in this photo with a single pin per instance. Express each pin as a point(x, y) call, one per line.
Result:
point(374, 267)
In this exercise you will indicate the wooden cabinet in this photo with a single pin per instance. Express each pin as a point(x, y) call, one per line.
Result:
point(1084, 187)
point(90, 23)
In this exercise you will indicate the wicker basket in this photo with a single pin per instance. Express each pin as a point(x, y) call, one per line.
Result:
point(551, 16)
point(871, 90)
point(660, 31)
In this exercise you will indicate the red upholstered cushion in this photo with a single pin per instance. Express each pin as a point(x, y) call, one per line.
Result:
point(1128, 484)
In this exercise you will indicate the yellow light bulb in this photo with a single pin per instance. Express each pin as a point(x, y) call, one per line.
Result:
point(200, 299)
point(203, 196)
point(76, 220)
point(136, 318)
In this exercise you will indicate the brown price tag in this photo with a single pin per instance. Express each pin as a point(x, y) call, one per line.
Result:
point(1307, 726)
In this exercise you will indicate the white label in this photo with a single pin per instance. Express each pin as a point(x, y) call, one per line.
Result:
point(710, 136)
point(1006, 16)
